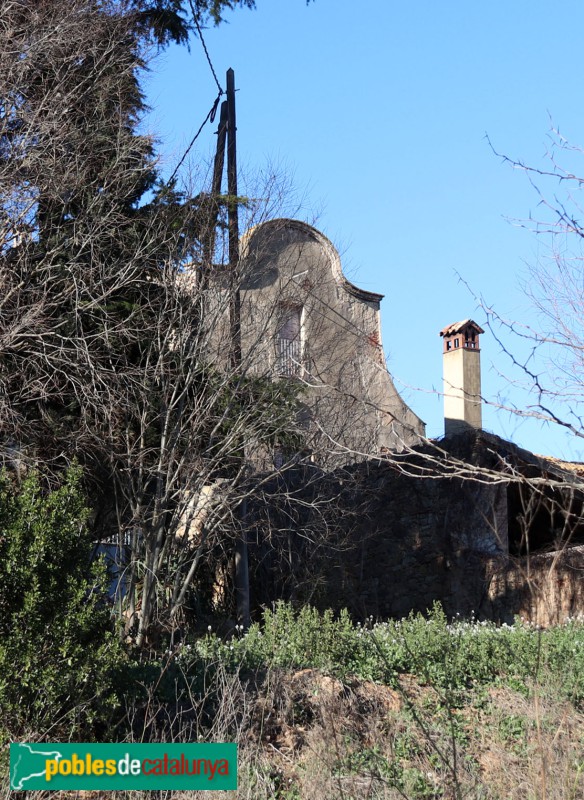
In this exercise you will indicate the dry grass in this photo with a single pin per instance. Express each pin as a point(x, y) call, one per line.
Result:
point(531, 747)
point(307, 736)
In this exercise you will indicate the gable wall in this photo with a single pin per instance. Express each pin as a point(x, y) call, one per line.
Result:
point(346, 384)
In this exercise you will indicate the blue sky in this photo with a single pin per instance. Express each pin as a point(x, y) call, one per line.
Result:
point(378, 113)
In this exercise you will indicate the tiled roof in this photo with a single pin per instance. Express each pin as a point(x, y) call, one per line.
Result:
point(458, 327)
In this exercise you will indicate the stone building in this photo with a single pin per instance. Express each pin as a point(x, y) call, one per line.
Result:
point(471, 521)
point(302, 320)
point(381, 520)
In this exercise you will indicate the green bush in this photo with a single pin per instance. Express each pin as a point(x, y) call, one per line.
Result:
point(58, 649)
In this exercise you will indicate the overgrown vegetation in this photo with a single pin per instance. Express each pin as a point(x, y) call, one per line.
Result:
point(115, 338)
point(110, 357)
point(322, 707)
point(418, 708)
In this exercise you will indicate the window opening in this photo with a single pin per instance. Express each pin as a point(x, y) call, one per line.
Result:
point(289, 343)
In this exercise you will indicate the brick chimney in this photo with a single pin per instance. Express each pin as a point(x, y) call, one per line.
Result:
point(462, 376)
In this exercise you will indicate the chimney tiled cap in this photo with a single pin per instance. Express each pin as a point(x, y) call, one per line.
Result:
point(459, 327)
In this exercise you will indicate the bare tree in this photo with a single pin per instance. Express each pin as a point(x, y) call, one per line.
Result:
point(105, 335)
point(113, 332)
point(548, 362)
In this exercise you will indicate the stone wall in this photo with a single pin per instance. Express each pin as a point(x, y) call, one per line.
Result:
point(416, 541)
point(382, 542)
point(545, 589)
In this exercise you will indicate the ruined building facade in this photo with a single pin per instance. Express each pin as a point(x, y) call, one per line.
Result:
point(302, 320)
point(379, 519)
point(469, 520)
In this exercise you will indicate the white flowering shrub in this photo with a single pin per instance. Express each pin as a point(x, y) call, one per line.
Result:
point(450, 655)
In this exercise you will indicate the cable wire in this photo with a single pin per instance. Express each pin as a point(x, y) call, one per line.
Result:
point(200, 32)
point(209, 118)
point(211, 115)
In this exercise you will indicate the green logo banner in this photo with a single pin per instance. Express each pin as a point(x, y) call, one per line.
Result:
point(107, 767)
